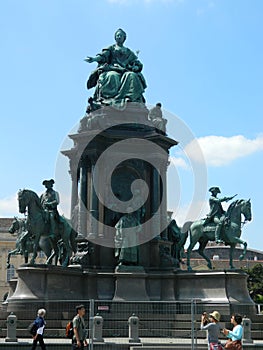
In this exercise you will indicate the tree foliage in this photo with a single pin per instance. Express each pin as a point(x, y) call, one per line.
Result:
point(255, 282)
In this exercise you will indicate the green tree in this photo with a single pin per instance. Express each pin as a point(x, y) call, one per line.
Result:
point(255, 283)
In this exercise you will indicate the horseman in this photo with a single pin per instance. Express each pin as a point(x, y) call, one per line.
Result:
point(49, 201)
point(217, 213)
point(23, 238)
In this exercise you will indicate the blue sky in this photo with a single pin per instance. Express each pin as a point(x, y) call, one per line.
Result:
point(202, 59)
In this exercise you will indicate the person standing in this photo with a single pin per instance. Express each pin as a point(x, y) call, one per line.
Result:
point(79, 338)
point(40, 324)
point(235, 336)
point(211, 325)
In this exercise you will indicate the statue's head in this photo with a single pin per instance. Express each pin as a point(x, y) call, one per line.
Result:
point(48, 183)
point(120, 34)
point(214, 190)
point(169, 215)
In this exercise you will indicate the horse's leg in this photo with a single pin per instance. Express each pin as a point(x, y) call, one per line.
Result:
point(26, 257)
point(201, 249)
point(68, 253)
point(189, 249)
point(50, 258)
point(240, 241)
point(12, 252)
point(35, 247)
point(8, 260)
point(51, 253)
point(56, 253)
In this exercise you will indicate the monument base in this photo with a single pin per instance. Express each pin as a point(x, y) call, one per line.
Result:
point(130, 283)
point(42, 284)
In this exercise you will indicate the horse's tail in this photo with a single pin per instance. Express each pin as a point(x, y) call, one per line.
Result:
point(186, 227)
point(184, 233)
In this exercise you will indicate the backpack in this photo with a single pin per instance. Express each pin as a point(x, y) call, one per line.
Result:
point(69, 330)
point(32, 329)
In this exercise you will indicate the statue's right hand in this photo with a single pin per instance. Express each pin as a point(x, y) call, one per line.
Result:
point(89, 59)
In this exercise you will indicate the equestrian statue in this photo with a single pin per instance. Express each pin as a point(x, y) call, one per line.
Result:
point(44, 220)
point(25, 241)
point(220, 226)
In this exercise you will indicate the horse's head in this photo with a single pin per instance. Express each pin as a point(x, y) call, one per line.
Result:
point(28, 199)
point(238, 207)
point(23, 200)
point(246, 209)
point(14, 226)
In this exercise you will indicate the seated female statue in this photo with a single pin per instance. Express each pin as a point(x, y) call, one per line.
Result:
point(118, 78)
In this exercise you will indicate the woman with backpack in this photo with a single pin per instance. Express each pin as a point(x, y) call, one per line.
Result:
point(39, 325)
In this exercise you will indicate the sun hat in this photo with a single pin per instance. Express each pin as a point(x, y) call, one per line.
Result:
point(215, 315)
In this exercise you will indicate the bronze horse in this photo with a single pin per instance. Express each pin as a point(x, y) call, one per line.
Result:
point(231, 232)
point(25, 241)
point(29, 200)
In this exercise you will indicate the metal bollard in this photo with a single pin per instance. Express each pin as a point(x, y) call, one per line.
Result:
point(133, 323)
point(97, 328)
point(11, 328)
point(246, 323)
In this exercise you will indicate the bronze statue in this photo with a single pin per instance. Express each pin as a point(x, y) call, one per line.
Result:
point(118, 78)
point(126, 241)
point(29, 200)
point(231, 231)
point(177, 238)
point(49, 201)
point(156, 117)
point(217, 213)
point(25, 241)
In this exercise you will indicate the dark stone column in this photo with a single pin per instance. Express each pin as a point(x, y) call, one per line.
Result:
point(155, 201)
point(94, 207)
point(82, 227)
point(163, 217)
point(74, 189)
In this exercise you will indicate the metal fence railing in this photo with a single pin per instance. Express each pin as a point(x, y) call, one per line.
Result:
point(128, 324)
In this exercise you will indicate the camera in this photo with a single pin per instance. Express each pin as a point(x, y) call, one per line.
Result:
point(206, 320)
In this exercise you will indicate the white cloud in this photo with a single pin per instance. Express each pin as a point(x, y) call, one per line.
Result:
point(178, 162)
point(9, 206)
point(220, 150)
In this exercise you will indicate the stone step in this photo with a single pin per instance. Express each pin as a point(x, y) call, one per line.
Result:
point(123, 332)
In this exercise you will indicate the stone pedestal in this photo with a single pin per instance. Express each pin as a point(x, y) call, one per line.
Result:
point(42, 285)
point(138, 153)
point(130, 283)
